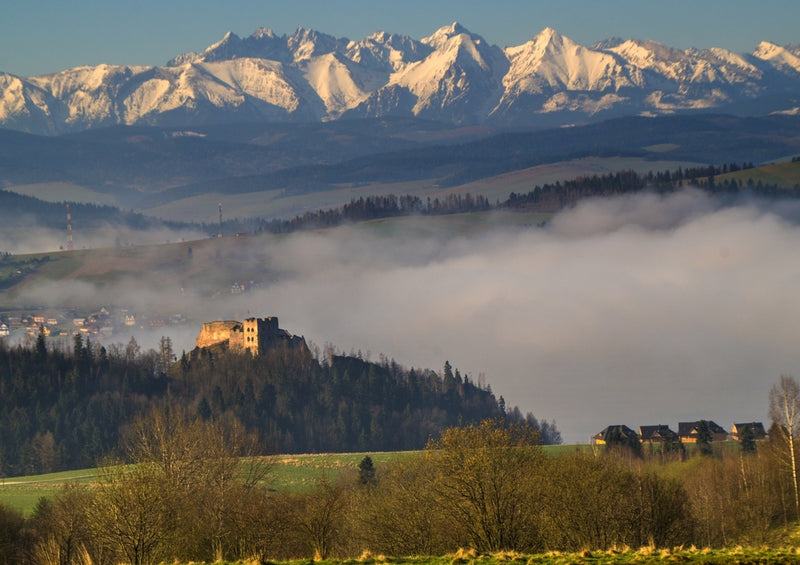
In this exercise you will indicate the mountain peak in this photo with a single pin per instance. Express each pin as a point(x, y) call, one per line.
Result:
point(263, 32)
point(609, 43)
point(779, 57)
point(766, 50)
point(226, 48)
point(229, 37)
point(445, 33)
point(548, 33)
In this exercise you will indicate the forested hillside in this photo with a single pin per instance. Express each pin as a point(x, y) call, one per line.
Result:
point(63, 410)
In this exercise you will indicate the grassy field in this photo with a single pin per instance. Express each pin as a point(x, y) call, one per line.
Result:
point(22, 493)
point(785, 175)
point(292, 473)
point(643, 556)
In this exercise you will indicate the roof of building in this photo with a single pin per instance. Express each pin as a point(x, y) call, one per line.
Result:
point(756, 427)
point(619, 430)
point(656, 432)
point(690, 428)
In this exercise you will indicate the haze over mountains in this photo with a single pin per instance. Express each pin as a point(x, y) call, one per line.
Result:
point(453, 75)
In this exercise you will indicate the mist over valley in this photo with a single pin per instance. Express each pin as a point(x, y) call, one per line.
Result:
point(650, 308)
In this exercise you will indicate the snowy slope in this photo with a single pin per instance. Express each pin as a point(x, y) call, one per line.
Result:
point(780, 58)
point(452, 75)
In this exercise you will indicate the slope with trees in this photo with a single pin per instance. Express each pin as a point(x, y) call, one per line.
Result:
point(66, 410)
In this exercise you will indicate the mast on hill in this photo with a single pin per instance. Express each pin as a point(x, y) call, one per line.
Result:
point(70, 245)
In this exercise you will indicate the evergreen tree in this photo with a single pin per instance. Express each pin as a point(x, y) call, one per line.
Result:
point(747, 441)
point(704, 438)
point(366, 471)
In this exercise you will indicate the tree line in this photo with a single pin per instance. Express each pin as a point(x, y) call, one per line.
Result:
point(362, 209)
point(196, 493)
point(549, 197)
point(66, 409)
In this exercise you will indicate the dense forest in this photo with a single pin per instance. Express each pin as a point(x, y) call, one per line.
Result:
point(65, 410)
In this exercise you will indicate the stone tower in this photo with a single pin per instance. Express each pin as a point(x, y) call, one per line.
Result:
point(259, 334)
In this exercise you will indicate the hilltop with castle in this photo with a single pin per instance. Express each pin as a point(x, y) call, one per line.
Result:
point(253, 335)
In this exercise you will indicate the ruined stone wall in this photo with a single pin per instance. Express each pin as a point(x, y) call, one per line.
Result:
point(255, 335)
point(236, 342)
point(215, 332)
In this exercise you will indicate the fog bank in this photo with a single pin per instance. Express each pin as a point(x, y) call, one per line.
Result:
point(640, 310)
point(635, 310)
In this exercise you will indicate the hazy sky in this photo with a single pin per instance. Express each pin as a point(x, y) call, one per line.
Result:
point(43, 36)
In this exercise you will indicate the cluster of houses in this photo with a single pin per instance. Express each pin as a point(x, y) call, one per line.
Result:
point(687, 433)
point(102, 324)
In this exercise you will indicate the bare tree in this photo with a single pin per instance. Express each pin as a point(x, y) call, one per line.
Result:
point(483, 482)
point(784, 410)
point(131, 512)
point(206, 468)
point(321, 515)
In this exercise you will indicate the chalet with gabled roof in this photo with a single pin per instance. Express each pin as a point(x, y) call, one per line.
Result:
point(659, 433)
point(687, 431)
point(757, 429)
point(615, 434)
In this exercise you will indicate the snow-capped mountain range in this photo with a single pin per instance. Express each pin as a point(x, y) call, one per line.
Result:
point(453, 75)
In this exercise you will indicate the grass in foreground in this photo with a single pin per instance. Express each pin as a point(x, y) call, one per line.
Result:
point(739, 555)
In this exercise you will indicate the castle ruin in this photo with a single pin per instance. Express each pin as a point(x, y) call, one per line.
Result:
point(253, 335)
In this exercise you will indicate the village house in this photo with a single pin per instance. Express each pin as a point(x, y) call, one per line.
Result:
point(659, 433)
point(757, 429)
point(687, 431)
point(618, 433)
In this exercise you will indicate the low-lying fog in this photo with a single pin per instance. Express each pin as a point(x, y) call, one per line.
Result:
point(637, 310)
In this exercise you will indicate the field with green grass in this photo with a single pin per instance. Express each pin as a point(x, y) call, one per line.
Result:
point(288, 473)
point(784, 175)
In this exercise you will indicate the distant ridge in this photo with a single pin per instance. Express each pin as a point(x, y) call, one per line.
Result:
point(453, 76)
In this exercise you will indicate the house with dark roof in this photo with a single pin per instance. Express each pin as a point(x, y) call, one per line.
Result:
point(615, 434)
point(687, 431)
point(757, 429)
point(659, 433)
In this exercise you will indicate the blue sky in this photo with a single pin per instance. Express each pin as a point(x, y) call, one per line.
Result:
point(42, 36)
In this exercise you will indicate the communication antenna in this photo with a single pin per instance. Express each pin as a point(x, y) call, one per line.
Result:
point(70, 245)
point(220, 220)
